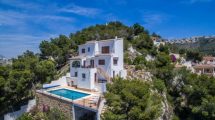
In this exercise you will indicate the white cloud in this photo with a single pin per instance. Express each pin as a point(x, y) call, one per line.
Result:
point(15, 44)
point(21, 4)
point(152, 18)
point(111, 17)
point(18, 18)
point(84, 11)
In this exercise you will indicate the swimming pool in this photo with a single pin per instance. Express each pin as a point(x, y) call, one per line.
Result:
point(70, 94)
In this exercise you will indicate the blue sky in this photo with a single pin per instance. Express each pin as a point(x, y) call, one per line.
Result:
point(24, 23)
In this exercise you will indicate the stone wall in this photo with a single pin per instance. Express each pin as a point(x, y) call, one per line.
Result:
point(46, 100)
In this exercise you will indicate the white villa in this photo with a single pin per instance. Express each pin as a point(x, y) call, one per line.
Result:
point(79, 93)
point(97, 61)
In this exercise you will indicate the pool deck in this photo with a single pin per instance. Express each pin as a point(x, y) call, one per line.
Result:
point(91, 101)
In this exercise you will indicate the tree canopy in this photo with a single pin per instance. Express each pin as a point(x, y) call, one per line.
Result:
point(126, 102)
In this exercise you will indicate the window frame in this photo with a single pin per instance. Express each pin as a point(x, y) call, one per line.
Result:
point(105, 49)
point(76, 74)
point(115, 60)
point(83, 50)
point(101, 62)
point(83, 76)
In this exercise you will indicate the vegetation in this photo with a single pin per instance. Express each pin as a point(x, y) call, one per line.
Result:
point(194, 96)
point(16, 81)
point(53, 114)
point(203, 45)
point(189, 95)
point(126, 102)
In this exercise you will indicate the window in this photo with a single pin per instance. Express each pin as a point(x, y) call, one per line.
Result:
point(115, 61)
point(83, 75)
point(88, 49)
point(76, 64)
point(101, 62)
point(76, 74)
point(105, 49)
point(83, 50)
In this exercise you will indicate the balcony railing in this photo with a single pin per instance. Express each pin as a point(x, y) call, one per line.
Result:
point(100, 52)
point(88, 66)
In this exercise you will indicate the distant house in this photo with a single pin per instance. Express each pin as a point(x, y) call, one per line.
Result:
point(5, 61)
point(157, 41)
point(205, 69)
point(208, 60)
point(207, 66)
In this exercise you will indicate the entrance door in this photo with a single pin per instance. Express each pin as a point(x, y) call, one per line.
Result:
point(84, 63)
point(95, 77)
point(92, 63)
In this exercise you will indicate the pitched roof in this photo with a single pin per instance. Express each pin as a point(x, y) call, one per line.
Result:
point(204, 66)
point(208, 58)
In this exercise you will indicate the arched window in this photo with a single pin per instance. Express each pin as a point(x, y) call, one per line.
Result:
point(76, 64)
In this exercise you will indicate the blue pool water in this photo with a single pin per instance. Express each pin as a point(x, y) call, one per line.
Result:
point(68, 93)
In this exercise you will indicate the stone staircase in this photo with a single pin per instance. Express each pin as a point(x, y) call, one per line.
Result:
point(104, 74)
point(103, 109)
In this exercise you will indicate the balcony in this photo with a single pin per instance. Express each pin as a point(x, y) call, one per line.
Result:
point(104, 52)
point(88, 66)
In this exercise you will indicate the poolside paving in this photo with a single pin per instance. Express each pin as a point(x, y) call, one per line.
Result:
point(91, 102)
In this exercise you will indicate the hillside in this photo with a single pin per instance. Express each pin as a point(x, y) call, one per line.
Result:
point(169, 94)
point(204, 45)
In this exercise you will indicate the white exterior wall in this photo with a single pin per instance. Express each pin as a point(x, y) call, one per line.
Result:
point(88, 82)
point(86, 46)
point(106, 67)
point(106, 43)
point(116, 51)
point(119, 53)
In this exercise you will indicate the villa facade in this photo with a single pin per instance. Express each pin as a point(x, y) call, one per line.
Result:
point(208, 69)
point(208, 60)
point(97, 61)
point(79, 93)
point(207, 66)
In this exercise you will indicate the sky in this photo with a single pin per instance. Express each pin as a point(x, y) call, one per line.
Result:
point(25, 23)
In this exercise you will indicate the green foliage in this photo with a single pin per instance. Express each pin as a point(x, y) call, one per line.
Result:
point(199, 93)
point(143, 41)
point(155, 35)
point(102, 32)
point(128, 102)
point(194, 56)
point(16, 81)
point(45, 71)
point(139, 60)
point(137, 29)
point(159, 85)
point(164, 48)
point(182, 51)
point(25, 116)
point(162, 60)
point(53, 114)
point(153, 51)
point(203, 45)
point(127, 59)
point(58, 48)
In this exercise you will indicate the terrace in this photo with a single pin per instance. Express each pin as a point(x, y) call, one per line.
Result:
point(91, 101)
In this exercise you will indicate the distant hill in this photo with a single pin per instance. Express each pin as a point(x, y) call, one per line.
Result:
point(205, 45)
